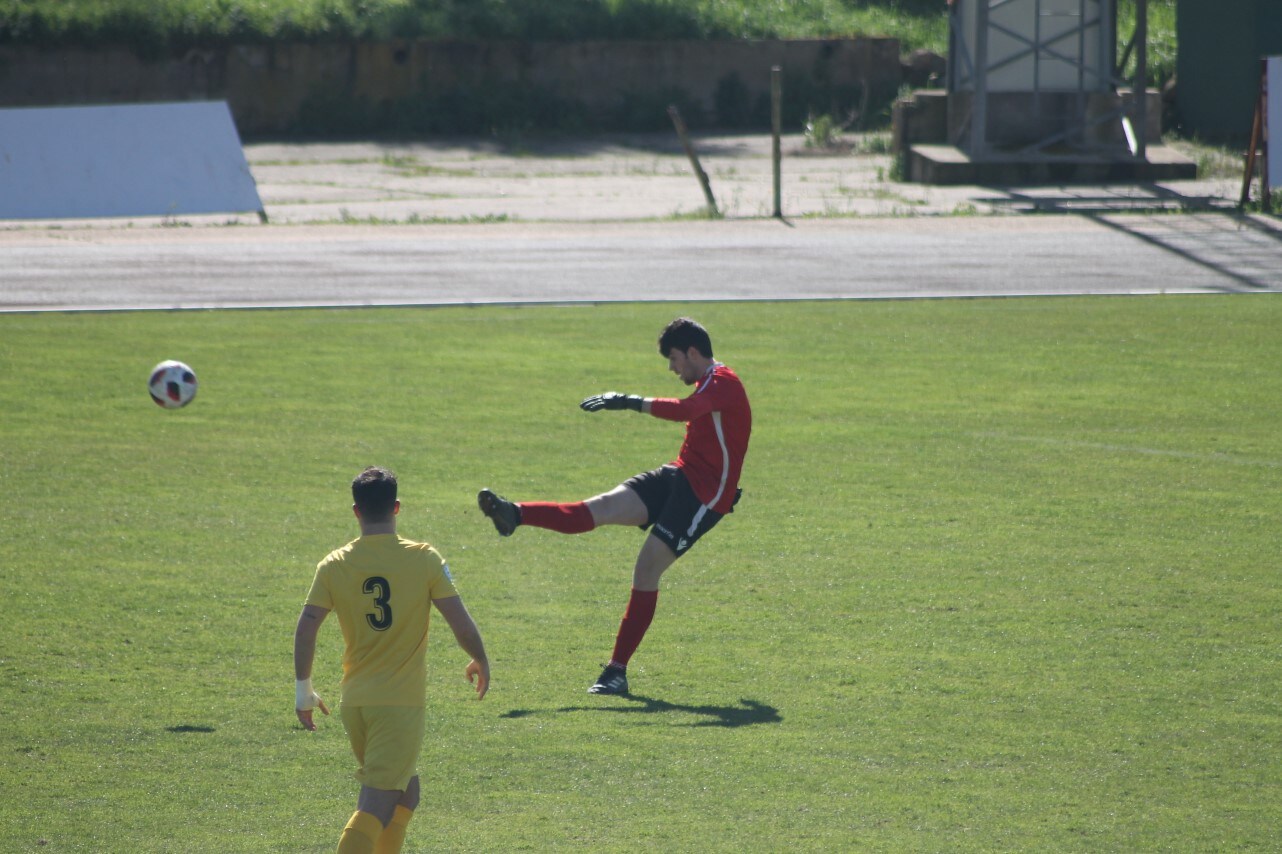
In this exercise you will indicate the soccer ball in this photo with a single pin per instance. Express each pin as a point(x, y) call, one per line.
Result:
point(172, 384)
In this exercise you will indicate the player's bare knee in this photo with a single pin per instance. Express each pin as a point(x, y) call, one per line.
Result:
point(645, 581)
point(652, 562)
point(619, 506)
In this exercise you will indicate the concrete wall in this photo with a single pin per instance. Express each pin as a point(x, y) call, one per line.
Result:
point(935, 116)
point(422, 85)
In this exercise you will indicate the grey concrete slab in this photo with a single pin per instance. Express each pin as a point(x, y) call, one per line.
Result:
point(451, 222)
point(511, 263)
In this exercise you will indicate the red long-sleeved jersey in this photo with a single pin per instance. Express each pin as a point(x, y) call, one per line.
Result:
point(718, 423)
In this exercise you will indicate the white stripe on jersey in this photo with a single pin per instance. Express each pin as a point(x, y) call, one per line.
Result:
point(725, 475)
point(706, 375)
point(725, 453)
point(725, 459)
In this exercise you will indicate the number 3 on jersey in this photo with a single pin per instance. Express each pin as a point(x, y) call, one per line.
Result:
point(381, 619)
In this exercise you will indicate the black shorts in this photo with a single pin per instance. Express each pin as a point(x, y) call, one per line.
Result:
point(672, 510)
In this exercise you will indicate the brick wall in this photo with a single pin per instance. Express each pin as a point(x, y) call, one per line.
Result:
point(427, 85)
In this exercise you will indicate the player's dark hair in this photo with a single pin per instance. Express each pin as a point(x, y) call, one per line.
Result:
point(682, 334)
point(374, 493)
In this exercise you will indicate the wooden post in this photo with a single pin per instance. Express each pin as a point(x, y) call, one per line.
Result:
point(1257, 134)
point(776, 126)
point(680, 125)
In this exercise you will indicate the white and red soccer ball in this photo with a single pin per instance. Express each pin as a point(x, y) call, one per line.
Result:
point(172, 384)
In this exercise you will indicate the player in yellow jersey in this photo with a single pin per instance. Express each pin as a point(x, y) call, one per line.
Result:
point(382, 587)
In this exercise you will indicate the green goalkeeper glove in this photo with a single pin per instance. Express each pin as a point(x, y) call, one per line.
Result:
point(612, 400)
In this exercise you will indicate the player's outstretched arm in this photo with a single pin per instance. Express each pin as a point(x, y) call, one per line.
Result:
point(613, 400)
point(469, 640)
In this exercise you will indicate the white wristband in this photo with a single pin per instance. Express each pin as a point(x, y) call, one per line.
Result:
point(304, 695)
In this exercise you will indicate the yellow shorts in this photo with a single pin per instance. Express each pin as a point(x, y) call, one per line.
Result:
point(386, 741)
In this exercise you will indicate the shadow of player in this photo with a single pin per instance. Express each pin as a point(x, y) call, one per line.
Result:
point(746, 713)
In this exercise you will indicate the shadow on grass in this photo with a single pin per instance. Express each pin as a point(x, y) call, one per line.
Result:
point(746, 713)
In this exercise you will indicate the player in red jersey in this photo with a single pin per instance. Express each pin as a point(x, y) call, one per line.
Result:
point(678, 502)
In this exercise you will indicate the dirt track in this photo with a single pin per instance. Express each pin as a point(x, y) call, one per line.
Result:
point(629, 178)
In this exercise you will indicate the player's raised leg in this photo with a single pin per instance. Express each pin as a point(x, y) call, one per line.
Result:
point(619, 506)
point(503, 513)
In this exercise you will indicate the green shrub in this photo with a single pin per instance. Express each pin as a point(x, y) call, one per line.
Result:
point(177, 24)
point(158, 25)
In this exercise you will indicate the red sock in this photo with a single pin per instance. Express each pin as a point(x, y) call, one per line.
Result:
point(636, 619)
point(573, 518)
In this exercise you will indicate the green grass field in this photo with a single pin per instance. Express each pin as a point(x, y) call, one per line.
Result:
point(1005, 578)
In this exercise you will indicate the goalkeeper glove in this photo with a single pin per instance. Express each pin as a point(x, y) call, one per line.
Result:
point(612, 400)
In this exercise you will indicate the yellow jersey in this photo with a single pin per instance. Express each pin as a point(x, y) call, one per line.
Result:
point(381, 588)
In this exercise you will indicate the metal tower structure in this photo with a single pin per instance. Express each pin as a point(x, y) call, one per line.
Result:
point(1038, 80)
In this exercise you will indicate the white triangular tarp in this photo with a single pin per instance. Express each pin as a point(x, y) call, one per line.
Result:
point(123, 160)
